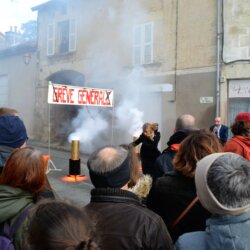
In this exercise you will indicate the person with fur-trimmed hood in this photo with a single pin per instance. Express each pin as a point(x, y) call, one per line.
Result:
point(121, 218)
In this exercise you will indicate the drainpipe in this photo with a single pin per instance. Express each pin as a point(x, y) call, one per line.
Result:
point(218, 65)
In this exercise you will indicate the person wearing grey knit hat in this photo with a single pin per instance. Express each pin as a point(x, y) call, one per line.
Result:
point(223, 187)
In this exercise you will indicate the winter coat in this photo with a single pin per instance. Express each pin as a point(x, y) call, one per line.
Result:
point(12, 202)
point(223, 133)
point(234, 146)
point(4, 154)
point(163, 163)
point(169, 197)
point(223, 232)
point(149, 152)
point(142, 187)
point(124, 223)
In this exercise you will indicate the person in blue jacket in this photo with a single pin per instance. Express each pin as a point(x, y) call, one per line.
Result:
point(223, 187)
point(220, 130)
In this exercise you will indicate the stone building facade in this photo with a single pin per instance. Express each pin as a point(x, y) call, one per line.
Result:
point(162, 58)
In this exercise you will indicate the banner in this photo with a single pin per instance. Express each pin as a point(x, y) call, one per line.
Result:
point(75, 95)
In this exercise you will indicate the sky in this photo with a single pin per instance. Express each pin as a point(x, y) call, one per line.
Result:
point(17, 12)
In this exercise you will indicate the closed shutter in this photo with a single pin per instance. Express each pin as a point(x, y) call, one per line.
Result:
point(143, 44)
point(72, 35)
point(148, 43)
point(51, 40)
point(137, 39)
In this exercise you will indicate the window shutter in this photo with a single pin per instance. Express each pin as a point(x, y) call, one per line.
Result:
point(137, 40)
point(51, 40)
point(72, 35)
point(143, 44)
point(148, 43)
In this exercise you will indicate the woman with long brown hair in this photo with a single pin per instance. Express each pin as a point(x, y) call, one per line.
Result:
point(22, 180)
point(172, 193)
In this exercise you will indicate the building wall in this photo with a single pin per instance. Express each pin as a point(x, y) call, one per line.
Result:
point(22, 80)
point(104, 51)
point(184, 56)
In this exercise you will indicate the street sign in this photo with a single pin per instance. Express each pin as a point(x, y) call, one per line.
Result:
point(206, 99)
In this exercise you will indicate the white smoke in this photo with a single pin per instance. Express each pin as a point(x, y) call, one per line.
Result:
point(128, 117)
point(105, 69)
point(87, 128)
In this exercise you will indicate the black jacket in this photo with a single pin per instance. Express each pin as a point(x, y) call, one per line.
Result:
point(223, 133)
point(124, 223)
point(169, 197)
point(163, 163)
point(149, 152)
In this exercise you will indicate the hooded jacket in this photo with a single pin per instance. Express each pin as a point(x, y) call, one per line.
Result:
point(242, 148)
point(223, 232)
point(142, 187)
point(163, 163)
point(12, 202)
point(228, 228)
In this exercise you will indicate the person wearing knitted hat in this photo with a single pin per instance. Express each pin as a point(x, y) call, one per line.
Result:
point(223, 187)
point(122, 220)
point(13, 135)
point(240, 142)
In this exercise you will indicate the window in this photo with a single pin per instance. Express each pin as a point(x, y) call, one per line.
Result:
point(61, 37)
point(51, 40)
point(143, 44)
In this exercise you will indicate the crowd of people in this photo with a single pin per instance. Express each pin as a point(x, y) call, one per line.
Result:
point(195, 194)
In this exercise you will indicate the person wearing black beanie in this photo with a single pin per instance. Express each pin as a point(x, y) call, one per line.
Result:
point(13, 135)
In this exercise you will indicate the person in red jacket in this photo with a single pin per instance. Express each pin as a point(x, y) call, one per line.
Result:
point(240, 142)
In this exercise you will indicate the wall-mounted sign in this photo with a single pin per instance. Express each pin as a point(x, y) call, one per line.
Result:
point(75, 95)
point(239, 88)
point(206, 99)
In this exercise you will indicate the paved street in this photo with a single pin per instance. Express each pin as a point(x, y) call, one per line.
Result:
point(67, 188)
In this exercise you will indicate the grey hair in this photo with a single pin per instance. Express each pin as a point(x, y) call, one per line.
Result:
point(185, 121)
point(229, 180)
point(107, 159)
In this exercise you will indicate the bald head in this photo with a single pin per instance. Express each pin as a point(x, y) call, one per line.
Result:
point(217, 121)
point(185, 121)
point(107, 159)
point(107, 153)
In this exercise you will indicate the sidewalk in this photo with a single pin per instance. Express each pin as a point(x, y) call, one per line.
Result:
point(66, 188)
